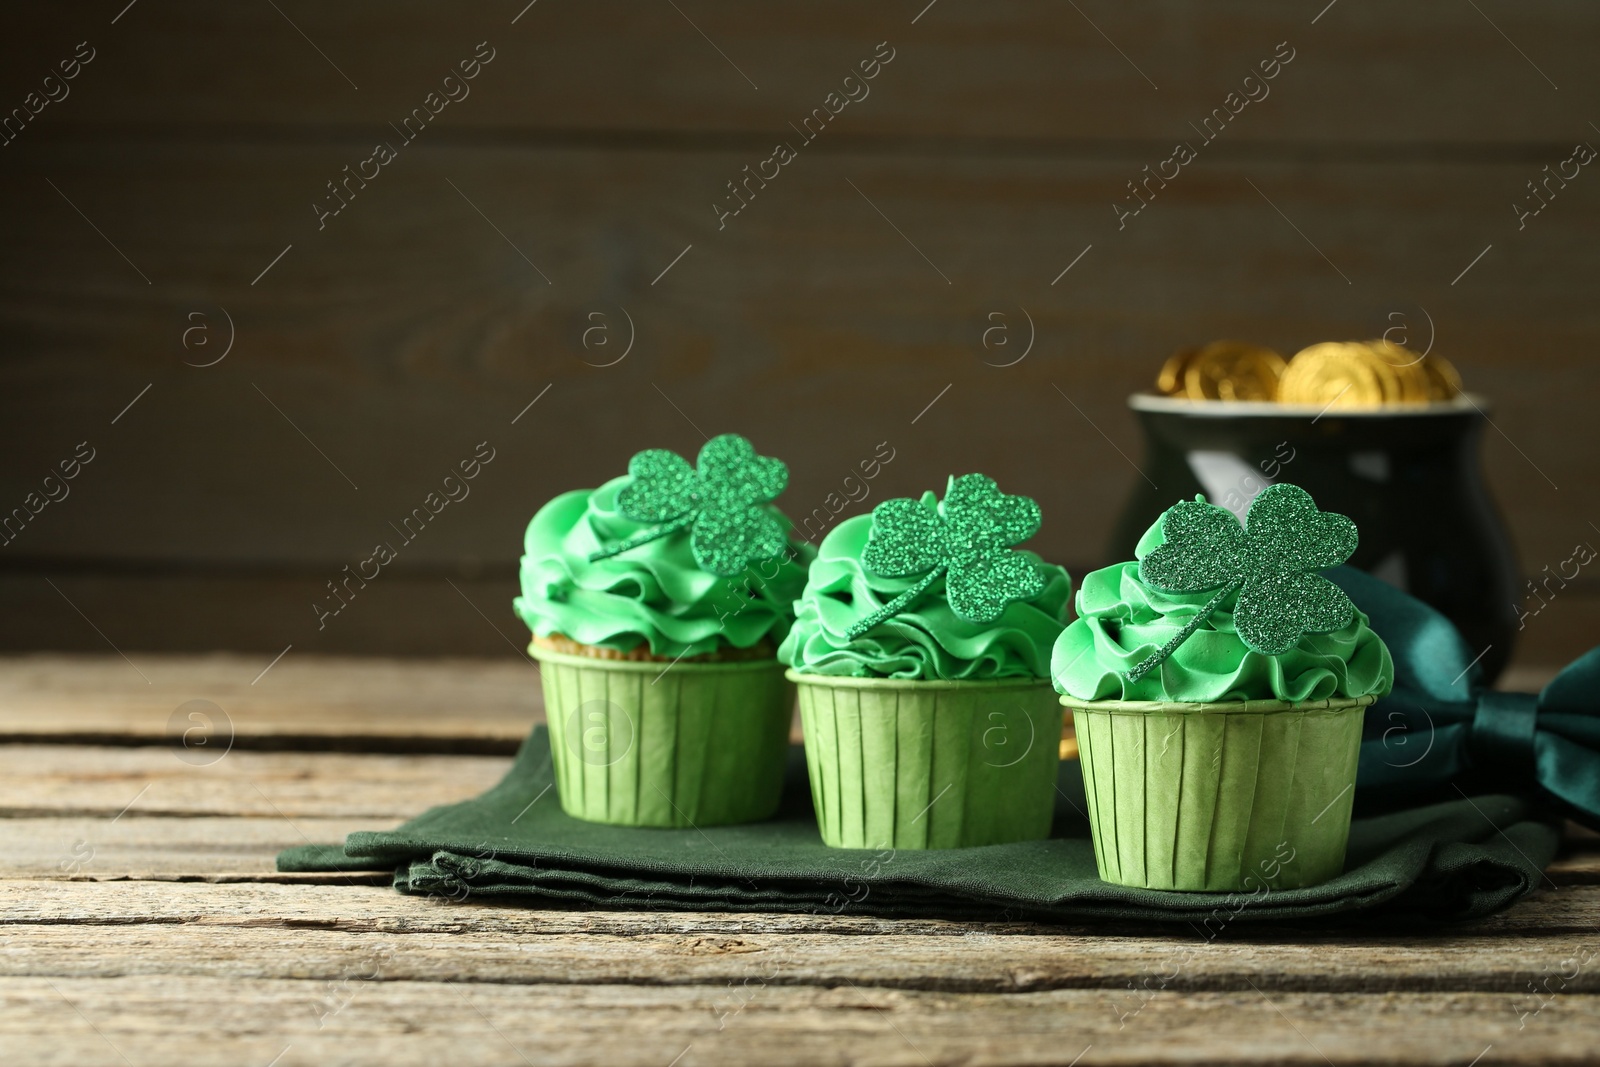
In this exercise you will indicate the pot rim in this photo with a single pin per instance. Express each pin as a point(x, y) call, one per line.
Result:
point(1171, 405)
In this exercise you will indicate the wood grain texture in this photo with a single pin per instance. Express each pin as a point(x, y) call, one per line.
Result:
point(396, 365)
point(141, 920)
point(306, 701)
point(69, 781)
point(159, 847)
point(153, 929)
point(201, 1020)
point(969, 962)
point(340, 905)
point(419, 321)
point(1000, 70)
point(95, 609)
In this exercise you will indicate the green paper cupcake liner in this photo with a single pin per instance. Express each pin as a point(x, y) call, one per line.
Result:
point(666, 744)
point(1249, 795)
point(930, 764)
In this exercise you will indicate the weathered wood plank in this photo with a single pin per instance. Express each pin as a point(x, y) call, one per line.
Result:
point(893, 335)
point(260, 945)
point(203, 1020)
point(330, 899)
point(435, 615)
point(1396, 141)
point(303, 700)
point(67, 781)
point(1429, 71)
point(138, 847)
point(1575, 868)
point(837, 316)
point(1548, 913)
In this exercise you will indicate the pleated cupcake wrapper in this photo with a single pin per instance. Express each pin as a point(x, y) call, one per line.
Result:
point(674, 745)
point(1249, 795)
point(909, 764)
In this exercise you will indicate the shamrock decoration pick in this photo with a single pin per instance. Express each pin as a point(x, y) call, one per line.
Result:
point(720, 503)
point(1273, 563)
point(967, 539)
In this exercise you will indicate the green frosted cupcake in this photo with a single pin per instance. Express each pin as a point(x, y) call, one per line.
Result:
point(1217, 686)
point(656, 604)
point(921, 647)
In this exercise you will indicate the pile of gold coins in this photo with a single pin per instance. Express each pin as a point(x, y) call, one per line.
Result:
point(1334, 374)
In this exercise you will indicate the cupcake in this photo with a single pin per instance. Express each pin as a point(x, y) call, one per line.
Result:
point(656, 604)
point(1217, 686)
point(921, 648)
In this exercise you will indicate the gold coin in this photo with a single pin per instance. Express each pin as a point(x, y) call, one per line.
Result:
point(1338, 374)
point(1232, 370)
point(1170, 380)
point(1389, 375)
point(1444, 383)
point(1410, 380)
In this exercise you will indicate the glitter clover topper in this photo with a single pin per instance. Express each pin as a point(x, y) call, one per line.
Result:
point(1273, 564)
point(967, 538)
point(720, 503)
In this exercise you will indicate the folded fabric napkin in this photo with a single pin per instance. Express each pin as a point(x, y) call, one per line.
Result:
point(1450, 861)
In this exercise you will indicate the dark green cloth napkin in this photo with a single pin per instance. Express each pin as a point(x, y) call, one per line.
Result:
point(1448, 861)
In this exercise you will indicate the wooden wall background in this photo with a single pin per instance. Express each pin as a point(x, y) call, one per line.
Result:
point(456, 287)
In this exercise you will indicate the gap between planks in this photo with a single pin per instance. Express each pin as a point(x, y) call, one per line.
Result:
point(973, 961)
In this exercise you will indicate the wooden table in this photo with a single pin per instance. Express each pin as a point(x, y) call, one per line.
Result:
point(144, 923)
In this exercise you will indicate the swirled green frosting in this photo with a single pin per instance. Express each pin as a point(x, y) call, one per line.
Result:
point(927, 640)
point(654, 593)
point(1121, 620)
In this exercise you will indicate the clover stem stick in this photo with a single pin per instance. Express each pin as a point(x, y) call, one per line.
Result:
point(1156, 658)
point(643, 537)
point(895, 606)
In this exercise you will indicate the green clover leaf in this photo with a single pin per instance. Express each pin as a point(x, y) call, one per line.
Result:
point(721, 502)
point(663, 487)
point(906, 538)
point(967, 538)
point(1272, 561)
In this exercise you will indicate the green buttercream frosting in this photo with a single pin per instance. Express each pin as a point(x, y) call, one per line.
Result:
point(654, 593)
point(928, 640)
point(1121, 620)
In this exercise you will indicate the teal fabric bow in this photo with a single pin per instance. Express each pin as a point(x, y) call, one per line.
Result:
point(1440, 730)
